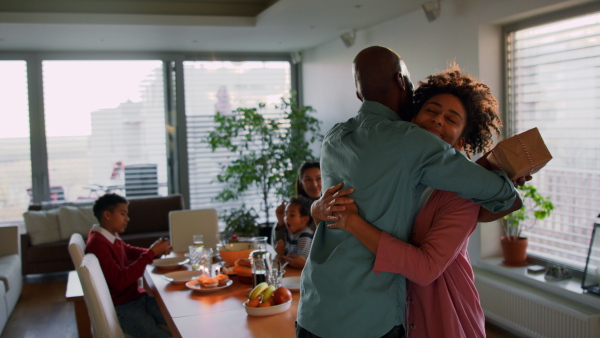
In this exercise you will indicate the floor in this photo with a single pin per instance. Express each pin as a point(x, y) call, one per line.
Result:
point(42, 311)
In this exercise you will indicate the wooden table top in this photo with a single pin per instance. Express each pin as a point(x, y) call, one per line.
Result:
point(191, 313)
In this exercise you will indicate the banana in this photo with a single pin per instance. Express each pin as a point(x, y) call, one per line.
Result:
point(268, 293)
point(260, 288)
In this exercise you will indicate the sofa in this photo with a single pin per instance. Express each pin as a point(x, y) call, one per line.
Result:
point(11, 280)
point(44, 246)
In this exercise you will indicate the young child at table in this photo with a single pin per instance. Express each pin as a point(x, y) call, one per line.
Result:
point(299, 235)
point(123, 265)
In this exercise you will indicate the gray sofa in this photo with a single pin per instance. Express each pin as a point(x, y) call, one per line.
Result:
point(11, 280)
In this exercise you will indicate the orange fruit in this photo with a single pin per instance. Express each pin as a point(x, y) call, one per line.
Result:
point(253, 302)
point(265, 304)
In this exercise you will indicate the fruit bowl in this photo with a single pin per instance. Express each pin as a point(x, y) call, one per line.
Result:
point(269, 310)
point(234, 251)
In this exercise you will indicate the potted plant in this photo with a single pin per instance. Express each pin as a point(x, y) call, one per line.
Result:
point(242, 222)
point(514, 246)
point(267, 151)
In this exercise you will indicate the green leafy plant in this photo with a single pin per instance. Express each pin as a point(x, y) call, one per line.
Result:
point(533, 203)
point(242, 221)
point(267, 151)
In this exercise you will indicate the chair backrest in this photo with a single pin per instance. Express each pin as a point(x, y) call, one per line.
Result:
point(97, 299)
point(76, 249)
point(184, 224)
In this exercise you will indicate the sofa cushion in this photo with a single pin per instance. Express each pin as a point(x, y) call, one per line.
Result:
point(75, 220)
point(10, 271)
point(42, 226)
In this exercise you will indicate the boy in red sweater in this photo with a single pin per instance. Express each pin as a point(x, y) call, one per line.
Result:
point(123, 265)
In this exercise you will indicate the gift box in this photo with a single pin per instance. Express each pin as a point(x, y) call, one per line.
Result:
point(520, 155)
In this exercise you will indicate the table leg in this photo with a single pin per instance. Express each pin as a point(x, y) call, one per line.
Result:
point(84, 326)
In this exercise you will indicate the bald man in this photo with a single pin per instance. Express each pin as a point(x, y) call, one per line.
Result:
point(389, 162)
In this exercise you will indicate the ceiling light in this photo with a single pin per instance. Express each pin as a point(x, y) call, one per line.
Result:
point(348, 38)
point(432, 10)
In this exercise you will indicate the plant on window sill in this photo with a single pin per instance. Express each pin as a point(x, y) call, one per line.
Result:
point(540, 206)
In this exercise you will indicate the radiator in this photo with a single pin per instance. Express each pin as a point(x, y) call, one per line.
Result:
point(531, 312)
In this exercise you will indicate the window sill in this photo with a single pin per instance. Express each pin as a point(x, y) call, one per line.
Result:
point(568, 288)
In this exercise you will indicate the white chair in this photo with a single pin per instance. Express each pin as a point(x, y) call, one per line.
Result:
point(97, 299)
point(184, 224)
point(76, 249)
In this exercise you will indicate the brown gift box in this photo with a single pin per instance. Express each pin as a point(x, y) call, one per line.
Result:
point(520, 155)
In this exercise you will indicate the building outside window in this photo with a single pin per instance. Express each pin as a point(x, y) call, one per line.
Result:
point(553, 78)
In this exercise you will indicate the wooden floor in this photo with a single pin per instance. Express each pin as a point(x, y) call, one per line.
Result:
point(42, 311)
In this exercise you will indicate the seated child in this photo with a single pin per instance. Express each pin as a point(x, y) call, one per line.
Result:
point(299, 233)
point(123, 265)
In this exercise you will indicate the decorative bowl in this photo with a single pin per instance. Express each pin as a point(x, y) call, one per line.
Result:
point(269, 310)
point(233, 251)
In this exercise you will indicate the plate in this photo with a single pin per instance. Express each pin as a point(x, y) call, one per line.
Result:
point(194, 285)
point(170, 263)
point(292, 283)
point(269, 310)
point(181, 277)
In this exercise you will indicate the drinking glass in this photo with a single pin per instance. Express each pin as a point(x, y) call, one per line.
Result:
point(276, 277)
point(206, 261)
point(195, 257)
point(199, 241)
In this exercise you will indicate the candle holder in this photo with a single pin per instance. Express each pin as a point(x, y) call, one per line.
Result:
point(591, 275)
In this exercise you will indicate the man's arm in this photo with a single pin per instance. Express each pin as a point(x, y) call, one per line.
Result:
point(435, 164)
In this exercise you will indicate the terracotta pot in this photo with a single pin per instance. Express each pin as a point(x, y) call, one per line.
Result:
point(514, 251)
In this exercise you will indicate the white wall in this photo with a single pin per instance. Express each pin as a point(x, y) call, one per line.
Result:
point(467, 31)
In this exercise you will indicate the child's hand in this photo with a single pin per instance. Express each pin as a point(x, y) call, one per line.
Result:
point(280, 248)
point(161, 246)
point(296, 261)
point(280, 213)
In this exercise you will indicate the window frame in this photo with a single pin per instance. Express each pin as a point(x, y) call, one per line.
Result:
point(174, 106)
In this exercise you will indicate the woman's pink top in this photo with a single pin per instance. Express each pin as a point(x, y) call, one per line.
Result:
point(442, 298)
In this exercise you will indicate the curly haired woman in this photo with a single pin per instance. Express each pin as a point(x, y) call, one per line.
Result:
point(442, 298)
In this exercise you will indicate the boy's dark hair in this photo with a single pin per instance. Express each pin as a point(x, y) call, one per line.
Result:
point(305, 204)
point(107, 202)
point(305, 165)
point(480, 105)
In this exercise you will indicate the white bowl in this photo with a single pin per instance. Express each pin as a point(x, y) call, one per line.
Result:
point(269, 310)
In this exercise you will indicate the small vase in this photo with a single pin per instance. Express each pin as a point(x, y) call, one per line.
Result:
point(514, 251)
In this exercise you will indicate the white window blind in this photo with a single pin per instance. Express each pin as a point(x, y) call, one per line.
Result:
point(105, 129)
point(212, 86)
point(553, 73)
point(15, 153)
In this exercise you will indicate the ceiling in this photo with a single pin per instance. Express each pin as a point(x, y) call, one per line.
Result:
point(188, 25)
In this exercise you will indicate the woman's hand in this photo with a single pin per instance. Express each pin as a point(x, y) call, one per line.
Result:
point(345, 218)
point(333, 200)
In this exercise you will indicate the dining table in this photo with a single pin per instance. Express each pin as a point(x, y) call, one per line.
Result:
point(218, 313)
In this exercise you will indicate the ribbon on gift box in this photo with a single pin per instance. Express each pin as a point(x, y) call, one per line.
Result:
point(520, 155)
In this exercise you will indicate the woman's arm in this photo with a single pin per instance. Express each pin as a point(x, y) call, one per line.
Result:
point(453, 220)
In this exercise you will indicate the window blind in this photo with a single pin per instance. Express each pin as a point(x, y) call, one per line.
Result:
point(223, 86)
point(553, 83)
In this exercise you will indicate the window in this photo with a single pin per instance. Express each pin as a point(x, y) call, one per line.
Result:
point(553, 79)
point(223, 86)
point(15, 171)
point(105, 129)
